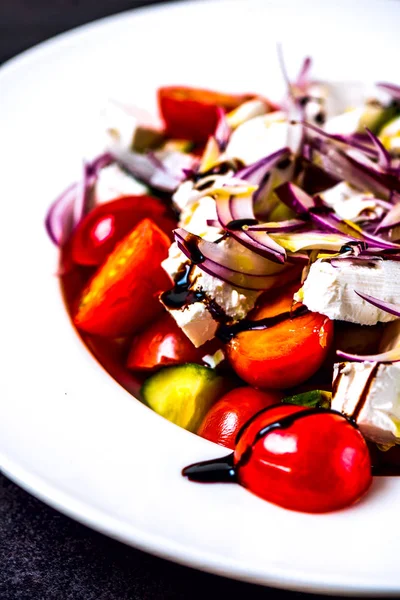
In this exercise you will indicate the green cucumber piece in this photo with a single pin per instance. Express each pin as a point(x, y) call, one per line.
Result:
point(183, 394)
point(311, 399)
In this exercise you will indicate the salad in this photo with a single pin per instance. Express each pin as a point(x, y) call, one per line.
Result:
point(235, 263)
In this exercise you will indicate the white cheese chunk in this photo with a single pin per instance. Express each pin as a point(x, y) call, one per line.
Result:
point(371, 394)
point(113, 182)
point(196, 214)
point(195, 320)
point(183, 194)
point(330, 290)
point(259, 137)
point(130, 127)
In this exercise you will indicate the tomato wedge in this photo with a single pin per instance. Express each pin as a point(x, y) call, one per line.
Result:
point(286, 353)
point(122, 296)
point(192, 113)
point(164, 343)
point(98, 233)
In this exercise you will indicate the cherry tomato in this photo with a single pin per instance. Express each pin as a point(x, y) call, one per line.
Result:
point(164, 343)
point(311, 463)
point(286, 353)
point(97, 234)
point(122, 296)
point(228, 415)
point(192, 114)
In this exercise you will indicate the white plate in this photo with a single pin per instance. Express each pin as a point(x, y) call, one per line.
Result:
point(68, 432)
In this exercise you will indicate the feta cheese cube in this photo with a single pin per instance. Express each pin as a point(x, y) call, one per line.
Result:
point(330, 290)
point(130, 127)
point(370, 393)
point(196, 320)
point(113, 182)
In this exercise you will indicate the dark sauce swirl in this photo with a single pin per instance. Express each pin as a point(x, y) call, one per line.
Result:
point(226, 332)
point(224, 470)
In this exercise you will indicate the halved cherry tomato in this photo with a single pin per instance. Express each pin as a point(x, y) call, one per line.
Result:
point(312, 462)
point(228, 415)
point(164, 343)
point(191, 113)
point(122, 296)
point(98, 233)
point(286, 353)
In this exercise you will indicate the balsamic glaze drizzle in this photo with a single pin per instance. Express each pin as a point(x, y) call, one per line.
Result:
point(238, 224)
point(226, 332)
point(222, 470)
point(362, 399)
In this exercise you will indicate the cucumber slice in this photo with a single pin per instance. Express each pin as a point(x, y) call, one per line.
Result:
point(183, 394)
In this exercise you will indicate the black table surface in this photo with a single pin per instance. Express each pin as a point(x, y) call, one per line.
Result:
point(43, 554)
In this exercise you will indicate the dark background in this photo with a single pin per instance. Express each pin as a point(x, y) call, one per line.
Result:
point(44, 555)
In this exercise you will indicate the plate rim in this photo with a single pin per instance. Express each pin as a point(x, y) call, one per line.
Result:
point(91, 516)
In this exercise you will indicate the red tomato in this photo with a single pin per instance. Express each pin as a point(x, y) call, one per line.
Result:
point(191, 113)
point(226, 417)
point(311, 463)
point(97, 234)
point(164, 343)
point(122, 296)
point(286, 353)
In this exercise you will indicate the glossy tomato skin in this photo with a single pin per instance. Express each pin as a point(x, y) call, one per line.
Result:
point(164, 343)
point(123, 295)
point(224, 420)
point(97, 234)
point(319, 463)
point(285, 354)
point(191, 113)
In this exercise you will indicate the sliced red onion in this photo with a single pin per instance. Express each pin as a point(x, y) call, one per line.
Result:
point(383, 357)
point(225, 264)
point(295, 198)
point(389, 307)
point(276, 226)
point(74, 203)
point(303, 78)
point(311, 240)
point(263, 173)
point(321, 136)
point(391, 219)
point(59, 219)
point(152, 169)
point(223, 131)
point(358, 174)
point(384, 158)
point(392, 89)
point(81, 206)
point(259, 242)
point(314, 179)
point(256, 172)
point(327, 220)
